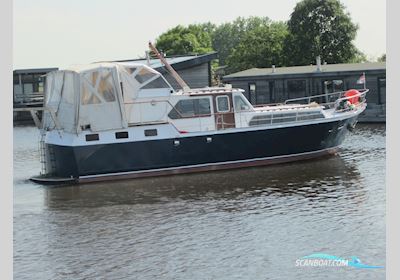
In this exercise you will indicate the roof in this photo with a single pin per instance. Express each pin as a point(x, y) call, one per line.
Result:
point(178, 62)
point(78, 68)
point(211, 90)
point(309, 70)
point(34, 70)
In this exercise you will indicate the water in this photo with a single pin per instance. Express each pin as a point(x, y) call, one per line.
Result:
point(244, 224)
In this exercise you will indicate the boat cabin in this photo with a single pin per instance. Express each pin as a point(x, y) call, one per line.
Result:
point(105, 96)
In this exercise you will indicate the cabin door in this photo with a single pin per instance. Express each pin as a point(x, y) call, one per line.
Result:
point(224, 112)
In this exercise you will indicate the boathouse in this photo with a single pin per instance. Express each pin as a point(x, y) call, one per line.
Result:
point(277, 84)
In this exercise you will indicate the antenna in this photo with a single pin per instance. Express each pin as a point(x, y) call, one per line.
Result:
point(171, 70)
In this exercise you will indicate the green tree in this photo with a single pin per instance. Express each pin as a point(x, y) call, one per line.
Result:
point(227, 36)
point(320, 27)
point(358, 57)
point(181, 40)
point(260, 47)
point(382, 58)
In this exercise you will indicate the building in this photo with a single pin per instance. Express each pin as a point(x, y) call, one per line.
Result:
point(28, 86)
point(195, 70)
point(29, 83)
point(274, 85)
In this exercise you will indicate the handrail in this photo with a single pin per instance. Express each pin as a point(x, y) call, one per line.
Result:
point(294, 106)
point(346, 107)
point(273, 111)
point(361, 91)
point(313, 96)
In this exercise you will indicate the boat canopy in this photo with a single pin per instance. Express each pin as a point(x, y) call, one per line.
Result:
point(97, 95)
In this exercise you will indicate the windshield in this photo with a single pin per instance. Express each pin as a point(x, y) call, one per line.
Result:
point(240, 104)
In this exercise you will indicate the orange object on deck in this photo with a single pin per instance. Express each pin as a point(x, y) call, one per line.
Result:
point(352, 92)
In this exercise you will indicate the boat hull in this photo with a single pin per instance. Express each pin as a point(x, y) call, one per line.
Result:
point(198, 153)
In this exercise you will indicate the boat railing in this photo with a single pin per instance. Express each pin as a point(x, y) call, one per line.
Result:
point(272, 115)
point(331, 99)
point(242, 118)
point(28, 99)
point(289, 118)
point(347, 103)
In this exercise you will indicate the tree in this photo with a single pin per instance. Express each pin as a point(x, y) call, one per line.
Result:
point(181, 40)
point(320, 27)
point(359, 57)
point(260, 47)
point(382, 58)
point(228, 35)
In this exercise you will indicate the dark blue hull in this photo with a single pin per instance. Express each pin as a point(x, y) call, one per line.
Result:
point(166, 156)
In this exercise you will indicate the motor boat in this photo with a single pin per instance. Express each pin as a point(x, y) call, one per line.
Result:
point(116, 120)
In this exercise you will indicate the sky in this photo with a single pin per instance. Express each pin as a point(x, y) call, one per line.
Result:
point(59, 33)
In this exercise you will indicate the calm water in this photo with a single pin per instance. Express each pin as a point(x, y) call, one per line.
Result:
point(244, 224)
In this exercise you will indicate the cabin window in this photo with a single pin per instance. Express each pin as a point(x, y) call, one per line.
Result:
point(203, 106)
point(150, 132)
point(223, 104)
point(190, 108)
point(87, 97)
point(240, 104)
point(106, 86)
point(157, 83)
point(98, 87)
point(144, 75)
point(92, 137)
point(130, 70)
point(121, 135)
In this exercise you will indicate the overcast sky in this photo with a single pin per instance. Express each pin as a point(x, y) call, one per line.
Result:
point(55, 33)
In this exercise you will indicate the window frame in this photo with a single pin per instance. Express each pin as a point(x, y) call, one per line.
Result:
point(94, 85)
point(195, 107)
point(228, 103)
point(242, 99)
point(151, 132)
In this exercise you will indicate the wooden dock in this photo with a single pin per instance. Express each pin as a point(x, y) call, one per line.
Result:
point(24, 105)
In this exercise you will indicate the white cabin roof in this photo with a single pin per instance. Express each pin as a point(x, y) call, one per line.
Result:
point(80, 68)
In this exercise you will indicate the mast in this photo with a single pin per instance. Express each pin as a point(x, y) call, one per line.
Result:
point(171, 70)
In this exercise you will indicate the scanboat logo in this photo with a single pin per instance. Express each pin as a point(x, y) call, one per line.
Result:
point(332, 261)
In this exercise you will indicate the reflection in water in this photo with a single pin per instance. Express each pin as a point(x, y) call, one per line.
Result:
point(326, 177)
point(250, 223)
